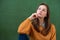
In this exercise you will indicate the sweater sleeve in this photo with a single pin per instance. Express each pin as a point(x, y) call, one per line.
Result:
point(53, 35)
point(24, 27)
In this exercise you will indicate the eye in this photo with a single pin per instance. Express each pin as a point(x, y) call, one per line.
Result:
point(44, 10)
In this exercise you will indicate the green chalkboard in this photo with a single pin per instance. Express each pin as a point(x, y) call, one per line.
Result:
point(13, 12)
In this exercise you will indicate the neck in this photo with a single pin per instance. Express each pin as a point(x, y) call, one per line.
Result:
point(41, 20)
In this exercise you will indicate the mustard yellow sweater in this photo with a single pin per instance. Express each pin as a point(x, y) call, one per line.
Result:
point(25, 28)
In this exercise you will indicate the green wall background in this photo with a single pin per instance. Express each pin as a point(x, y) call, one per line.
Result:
point(13, 12)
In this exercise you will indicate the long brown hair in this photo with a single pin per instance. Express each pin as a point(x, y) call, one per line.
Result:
point(35, 22)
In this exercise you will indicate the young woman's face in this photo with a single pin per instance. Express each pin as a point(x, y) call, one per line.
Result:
point(42, 11)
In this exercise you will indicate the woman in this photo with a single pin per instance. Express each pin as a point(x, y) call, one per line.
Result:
point(38, 26)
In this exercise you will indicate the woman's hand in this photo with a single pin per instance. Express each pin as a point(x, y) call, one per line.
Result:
point(34, 15)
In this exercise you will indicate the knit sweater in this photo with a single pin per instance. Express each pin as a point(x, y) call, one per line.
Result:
point(27, 28)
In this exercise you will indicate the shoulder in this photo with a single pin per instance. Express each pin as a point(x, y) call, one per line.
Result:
point(53, 29)
point(53, 26)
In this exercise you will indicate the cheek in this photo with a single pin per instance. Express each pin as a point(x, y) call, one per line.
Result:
point(44, 14)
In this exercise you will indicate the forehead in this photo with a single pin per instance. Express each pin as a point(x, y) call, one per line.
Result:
point(42, 7)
